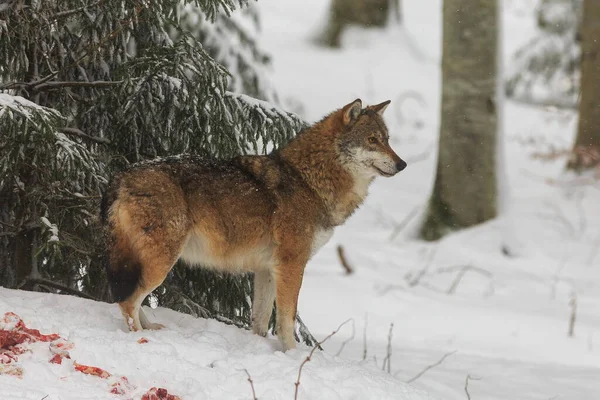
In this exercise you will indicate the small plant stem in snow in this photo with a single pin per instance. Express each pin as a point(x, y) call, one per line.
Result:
point(251, 384)
point(572, 319)
point(343, 260)
point(469, 377)
point(420, 374)
point(309, 357)
point(365, 337)
point(345, 342)
point(387, 361)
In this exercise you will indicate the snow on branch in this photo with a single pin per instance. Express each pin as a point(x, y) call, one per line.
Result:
point(28, 109)
point(267, 122)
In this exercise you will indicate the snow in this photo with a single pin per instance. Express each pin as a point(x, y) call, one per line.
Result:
point(53, 228)
point(507, 318)
point(8, 100)
point(497, 295)
point(22, 105)
point(192, 358)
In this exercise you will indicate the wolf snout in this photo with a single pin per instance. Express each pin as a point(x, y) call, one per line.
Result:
point(400, 165)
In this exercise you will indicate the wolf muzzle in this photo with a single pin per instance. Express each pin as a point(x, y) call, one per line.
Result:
point(400, 164)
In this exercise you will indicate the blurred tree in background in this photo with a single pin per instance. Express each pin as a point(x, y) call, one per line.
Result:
point(91, 86)
point(586, 151)
point(559, 67)
point(367, 13)
point(465, 189)
point(546, 70)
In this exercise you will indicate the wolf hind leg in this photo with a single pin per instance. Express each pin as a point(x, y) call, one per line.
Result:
point(262, 304)
point(131, 308)
point(156, 256)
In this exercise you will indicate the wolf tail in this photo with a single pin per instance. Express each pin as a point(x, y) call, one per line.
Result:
point(123, 278)
point(123, 269)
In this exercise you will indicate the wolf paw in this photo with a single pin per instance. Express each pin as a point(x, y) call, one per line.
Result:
point(153, 326)
point(259, 331)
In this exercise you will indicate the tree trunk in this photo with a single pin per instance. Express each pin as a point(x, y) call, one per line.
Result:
point(24, 256)
point(465, 189)
point(359, 12)
point(586, 151)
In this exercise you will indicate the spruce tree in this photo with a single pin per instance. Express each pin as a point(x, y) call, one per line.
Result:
point(89, 86)
point(547, 69)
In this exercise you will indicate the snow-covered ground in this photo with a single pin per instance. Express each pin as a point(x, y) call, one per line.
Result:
point(192, 358)
point(507, 318)
point(503, 314)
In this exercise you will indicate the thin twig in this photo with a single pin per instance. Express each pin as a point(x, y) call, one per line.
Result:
point(57, 286)
point(251, 384)
point(400, 227)
point(573, 304)
point(388, 356)
point(60, 84)
point(420, 374)
point(347, 340)
point(83, 135)
point(365, 336)
point(469, 377)
point(462, 272)
point(68, 13)
point(423, 271)
point(343, 260)
point(308, 358)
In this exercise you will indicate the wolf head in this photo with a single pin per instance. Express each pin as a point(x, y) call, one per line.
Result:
point(364, 142)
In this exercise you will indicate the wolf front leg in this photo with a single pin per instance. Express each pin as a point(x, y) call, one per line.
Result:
point(262, 304)
point(288, 280)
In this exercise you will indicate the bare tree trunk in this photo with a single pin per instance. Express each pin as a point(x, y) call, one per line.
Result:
point(465, 190)
point(586, 151)
point(25, 244)
point(358, 12)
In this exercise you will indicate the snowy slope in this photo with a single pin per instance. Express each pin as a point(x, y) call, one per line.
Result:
point(192, 358)
point(507, 318)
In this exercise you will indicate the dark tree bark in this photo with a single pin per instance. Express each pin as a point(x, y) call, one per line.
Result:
point(465, 189)
point(358, 12)
point(586, 150)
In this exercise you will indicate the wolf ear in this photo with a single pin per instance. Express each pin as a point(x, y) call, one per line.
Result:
point(380, 108)
point(351, 111)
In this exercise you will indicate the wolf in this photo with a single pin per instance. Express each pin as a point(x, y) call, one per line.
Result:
point(266, 214)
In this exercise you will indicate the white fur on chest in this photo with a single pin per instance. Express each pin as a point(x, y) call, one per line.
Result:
point(362, 181)
point(320, 238)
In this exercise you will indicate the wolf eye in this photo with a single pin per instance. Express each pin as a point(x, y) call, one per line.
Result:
point(372, 140)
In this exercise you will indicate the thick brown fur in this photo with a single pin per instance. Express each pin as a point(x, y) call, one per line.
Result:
point(264, 214)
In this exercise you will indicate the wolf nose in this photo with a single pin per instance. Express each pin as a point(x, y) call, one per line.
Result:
point(400, 165)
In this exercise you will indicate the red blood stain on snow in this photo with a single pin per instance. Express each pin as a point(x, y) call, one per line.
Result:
point(56, 359)
point(14, 337)
point(89, 370)
point(159, 394)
